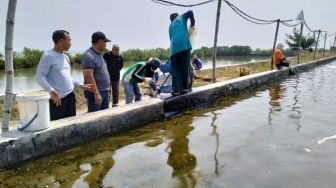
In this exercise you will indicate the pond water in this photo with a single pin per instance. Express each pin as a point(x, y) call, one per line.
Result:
point(24, 79)
point(279, 135)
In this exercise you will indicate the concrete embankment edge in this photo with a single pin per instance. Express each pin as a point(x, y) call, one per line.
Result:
point(211, 92)
point(17, 146)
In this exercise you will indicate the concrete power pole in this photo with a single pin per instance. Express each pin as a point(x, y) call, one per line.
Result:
point(275, 40)
point(318, 37)
point(215, 42)
point(300, 18)
point(9, 64)
point(325, 40)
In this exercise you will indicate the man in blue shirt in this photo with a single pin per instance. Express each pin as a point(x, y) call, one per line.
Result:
point(197, 63)
point(180, 48)
point(96, 73)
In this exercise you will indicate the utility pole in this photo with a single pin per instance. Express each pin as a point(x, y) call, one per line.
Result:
point(275, 40)
point(300, 18)
point(334, 48)
point(215, 42)
point(9, 64)
point(318, 37)
point(325, 40)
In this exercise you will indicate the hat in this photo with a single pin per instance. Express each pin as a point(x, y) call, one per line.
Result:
point(96, 36)
point(279, 45)
point(173, 16)
point(115, 46)
point(155, 62)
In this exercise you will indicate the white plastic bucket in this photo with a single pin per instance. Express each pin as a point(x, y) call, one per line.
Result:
point(33, 110)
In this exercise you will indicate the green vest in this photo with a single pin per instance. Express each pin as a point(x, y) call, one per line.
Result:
point(127, 76)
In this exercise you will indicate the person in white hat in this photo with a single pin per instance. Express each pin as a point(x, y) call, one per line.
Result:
point(115, 63)
point(279, 60)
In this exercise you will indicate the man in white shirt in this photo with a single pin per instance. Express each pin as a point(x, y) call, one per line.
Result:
point(53, 75)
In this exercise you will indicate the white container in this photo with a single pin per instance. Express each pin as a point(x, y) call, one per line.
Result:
point(33, 110)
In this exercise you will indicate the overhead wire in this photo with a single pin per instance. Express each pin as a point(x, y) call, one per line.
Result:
point(289, 25)
point(305, 23)
point(248, 17)
point(169, 3)
point(240, 13)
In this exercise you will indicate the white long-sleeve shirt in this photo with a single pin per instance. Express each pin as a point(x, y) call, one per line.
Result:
point(53, 73)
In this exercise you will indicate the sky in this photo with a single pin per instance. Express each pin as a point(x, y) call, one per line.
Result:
point(144, 24)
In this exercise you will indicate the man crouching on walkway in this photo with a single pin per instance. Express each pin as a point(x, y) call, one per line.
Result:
point(279, 60)
point(53, 75)
point(138, 73)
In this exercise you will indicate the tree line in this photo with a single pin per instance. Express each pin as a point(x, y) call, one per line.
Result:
point(31, 57)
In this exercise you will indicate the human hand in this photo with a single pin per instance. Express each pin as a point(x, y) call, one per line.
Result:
point(97, 97)
point(55, 98)
point(88, 87)
point(147, 80)
point(192, 31)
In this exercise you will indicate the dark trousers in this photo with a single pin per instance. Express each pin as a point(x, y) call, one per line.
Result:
point(67, 108)
point(180, 68)
point(115, 91)
point(282, 64)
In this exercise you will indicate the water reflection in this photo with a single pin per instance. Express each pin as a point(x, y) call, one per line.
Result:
point(179, 158)
point(95, 171)
point(275, 94)
point(216, 135)
point(278, 93)
point(295, 111)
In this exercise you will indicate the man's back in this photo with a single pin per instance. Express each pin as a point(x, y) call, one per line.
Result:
point(114, 65)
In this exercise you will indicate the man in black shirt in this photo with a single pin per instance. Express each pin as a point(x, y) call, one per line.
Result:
point(114, 63)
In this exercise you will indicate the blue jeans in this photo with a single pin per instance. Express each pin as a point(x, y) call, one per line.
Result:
point(92, 107)
point(131, 91)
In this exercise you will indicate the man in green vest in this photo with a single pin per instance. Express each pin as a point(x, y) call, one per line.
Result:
point(180, 48)
point(138, 73)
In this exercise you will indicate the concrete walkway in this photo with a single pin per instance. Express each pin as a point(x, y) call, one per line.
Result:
point(17, 146)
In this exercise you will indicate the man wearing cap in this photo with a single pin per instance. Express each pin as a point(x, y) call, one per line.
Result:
point(96, 73)
point(114, 63)
point(53, 75)
point(138, 73)
point(180, 51)
point(279, 60)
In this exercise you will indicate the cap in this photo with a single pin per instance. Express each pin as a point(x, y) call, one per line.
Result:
point(279, 45)
point(173, 16)
point(115, 46)
point(155, 62)
point(96, 36)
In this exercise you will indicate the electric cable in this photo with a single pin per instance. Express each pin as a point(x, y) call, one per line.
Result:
point(169, 3)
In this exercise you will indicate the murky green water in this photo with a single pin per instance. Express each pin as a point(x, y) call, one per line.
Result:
point(280, 135)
